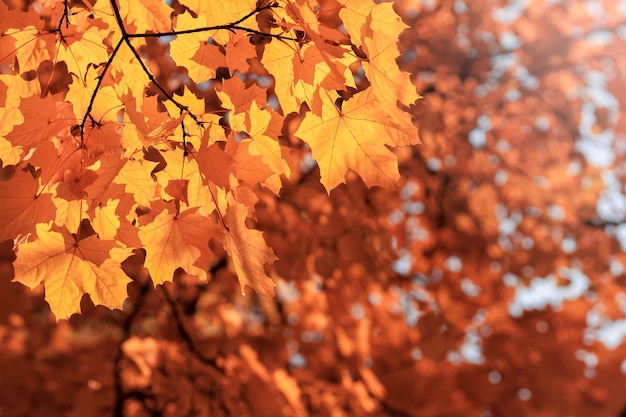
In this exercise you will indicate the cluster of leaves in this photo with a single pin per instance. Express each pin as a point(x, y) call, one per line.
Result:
point(134, 124)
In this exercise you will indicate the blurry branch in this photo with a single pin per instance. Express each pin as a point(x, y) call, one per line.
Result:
point(601, 223)
point(184, 334)
point(120, 396)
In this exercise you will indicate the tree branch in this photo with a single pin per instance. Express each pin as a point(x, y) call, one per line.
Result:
point(95, 91)
point(184, 334)
point(120, 397)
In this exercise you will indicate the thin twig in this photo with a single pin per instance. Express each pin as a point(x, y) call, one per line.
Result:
point(209, 28)
point(95, 91)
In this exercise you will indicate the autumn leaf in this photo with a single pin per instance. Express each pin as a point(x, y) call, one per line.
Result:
point(301, 72)
point(376, 27)
point(136, 177)
point(355, 137)
point(115, 217)
point(42, 120)
point(146, 15)
point(247, 249)
point(174, 240)
point(83, 44)
point(237, 97)
point(255, 128)
point(69, 267)
point(194, 52)
point(238, 51)
point(22, 207)
point(214, 164)
point(180, 179)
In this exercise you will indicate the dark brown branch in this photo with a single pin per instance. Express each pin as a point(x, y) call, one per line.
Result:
point(126, 39)
point(209, 28)
point(95, 91)
point(600, 223)
point(230, 26)
point(65, 17)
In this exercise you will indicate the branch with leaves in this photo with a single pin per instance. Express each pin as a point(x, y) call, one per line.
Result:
point(98, 167)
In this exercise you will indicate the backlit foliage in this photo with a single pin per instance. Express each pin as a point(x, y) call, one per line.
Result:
point(107, 149)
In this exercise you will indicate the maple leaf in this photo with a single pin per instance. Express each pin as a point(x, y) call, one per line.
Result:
point(143, 124)
point(193, 51)
point(42, 120)
point(127, 79)
point(356, 137)
point(256, 126)
point(237, 97)
point(147, 15)
point(238, 51)
point(175, 241)
point(249, 167)
point(136, 177)
point(376, 27)
point(69, 267)
point(114, 217)
point(83, 44)
point(21, 205)
point(300, 72)
point(214, 164)
point(247, 249)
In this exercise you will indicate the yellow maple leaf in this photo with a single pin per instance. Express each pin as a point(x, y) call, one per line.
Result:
point(354, 14)
point(106, 221)
point(82, 44)
point(70, 267)
point(193, 50)
point(114, 217)
point(300, 72)
point(9, 154)
point(376, 27)
point(135, 176)
point(256, 125)
point(356, 137)
point(388, 82)
point(129, 78)
point(30, 47)
point(181, 180)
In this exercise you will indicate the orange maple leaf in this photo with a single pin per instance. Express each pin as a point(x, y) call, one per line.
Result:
point(248, 249)
point(21, 207)
point(175, 240)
